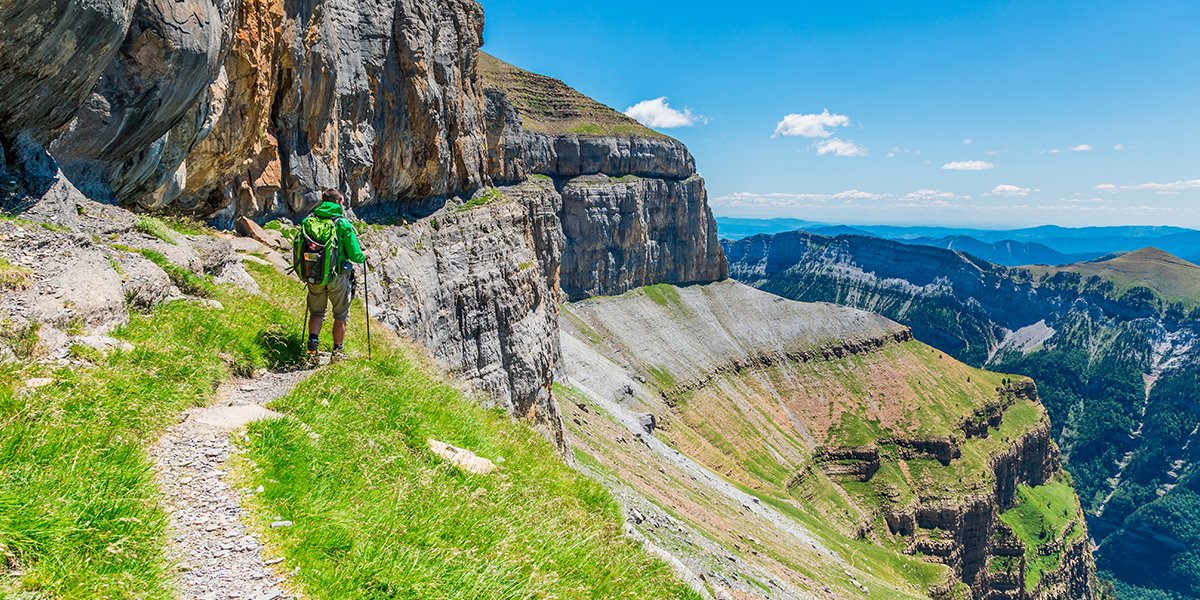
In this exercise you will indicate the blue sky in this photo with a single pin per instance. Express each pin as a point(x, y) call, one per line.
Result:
point(983, 113)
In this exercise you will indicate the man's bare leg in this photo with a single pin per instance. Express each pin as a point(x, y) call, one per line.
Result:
point(339, 331)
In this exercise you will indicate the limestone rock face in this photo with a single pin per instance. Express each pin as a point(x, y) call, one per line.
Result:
point(378, 98)
point(158, 74)
point(211, 107)
point(626, 233)
point(469, 286)
point(633, 210)
point(51, 52)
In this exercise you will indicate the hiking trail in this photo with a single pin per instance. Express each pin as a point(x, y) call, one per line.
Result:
point(216, 557)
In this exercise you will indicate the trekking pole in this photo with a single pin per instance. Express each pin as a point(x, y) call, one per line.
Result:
point(367, 305)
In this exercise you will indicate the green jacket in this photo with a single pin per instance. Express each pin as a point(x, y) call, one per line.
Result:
point(347, 237)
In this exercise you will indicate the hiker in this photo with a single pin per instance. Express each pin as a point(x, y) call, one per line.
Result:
point(325, 247)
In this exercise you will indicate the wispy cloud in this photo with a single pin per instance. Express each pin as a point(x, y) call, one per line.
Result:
point(1075, 148)
point(968, 141)
point(1173, 187)
point(922, 198)
point(811, 125)
point(836, 147)
point(1006, 189)
point(929, 194)
point(658, 113)
point(968, 165)
point(781, 199)
point(1119, 147)
point(898, 151)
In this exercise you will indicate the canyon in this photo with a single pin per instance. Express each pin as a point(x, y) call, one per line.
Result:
point(1110, 342)
point(557, 257)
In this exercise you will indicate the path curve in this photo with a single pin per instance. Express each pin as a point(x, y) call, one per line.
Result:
point(216, 557)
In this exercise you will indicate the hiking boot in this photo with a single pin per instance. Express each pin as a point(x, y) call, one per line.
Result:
point(313, 357)
point(338, 353)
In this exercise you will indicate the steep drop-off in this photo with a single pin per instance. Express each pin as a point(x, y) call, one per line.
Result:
point(1100, 338)
point(783, 449)
point(778, 449)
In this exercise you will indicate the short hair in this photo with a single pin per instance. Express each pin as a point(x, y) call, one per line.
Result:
point(332, 195)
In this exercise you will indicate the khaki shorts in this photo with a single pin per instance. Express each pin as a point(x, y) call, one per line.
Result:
point(339, 292)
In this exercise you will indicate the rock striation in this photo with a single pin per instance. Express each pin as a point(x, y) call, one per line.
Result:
point(470, 285)
point(634, 212)
point(248, 108)
point(239, 111)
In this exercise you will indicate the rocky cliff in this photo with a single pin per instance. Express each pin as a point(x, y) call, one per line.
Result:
point(220, 109)
point(634, 212)
point(248, 107)
point(1101, 338)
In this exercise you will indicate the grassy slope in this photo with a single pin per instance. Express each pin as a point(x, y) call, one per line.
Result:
point(378, 515)
point(78, 510)
point(1171, 277)
point(547, 105)
point(1044, 514)
point(742, 425)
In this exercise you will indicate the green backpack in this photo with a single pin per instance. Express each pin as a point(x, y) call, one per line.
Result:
point(316, 255)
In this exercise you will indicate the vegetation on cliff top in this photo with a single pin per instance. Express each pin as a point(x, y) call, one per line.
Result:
point(549, 106)
point(1045, 519)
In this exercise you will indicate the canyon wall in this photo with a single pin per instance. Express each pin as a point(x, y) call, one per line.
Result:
point(220, 109)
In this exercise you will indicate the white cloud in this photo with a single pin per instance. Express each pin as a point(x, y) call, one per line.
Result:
point(1006, 189)
point(811, 126)
point(658, 113)
point(968, 141)
point(1173, 187)
point(968, 165)
point(1082, 148)
point(930, 194)
point(786, 200)
point(1119, 147)
point(838, 147)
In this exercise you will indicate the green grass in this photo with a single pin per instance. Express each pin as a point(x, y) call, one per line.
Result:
point(1042, 515)
point(665, 380)
point(155, 227)
point(1170, 277)
point(540, 177)
point(485, 197)
point(14, 277)
point(378, 515)
point(78, 506)
point(288, 232)
point(187, 225)
point(28, 223)
point(662, 294)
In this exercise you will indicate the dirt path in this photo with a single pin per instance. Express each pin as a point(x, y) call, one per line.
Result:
point(216, 557)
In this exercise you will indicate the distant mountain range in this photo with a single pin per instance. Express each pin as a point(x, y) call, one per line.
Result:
point(1045, 245)
point(1113, 345)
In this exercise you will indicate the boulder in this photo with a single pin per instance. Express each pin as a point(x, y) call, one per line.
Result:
point(267, 237)
point(462, 458)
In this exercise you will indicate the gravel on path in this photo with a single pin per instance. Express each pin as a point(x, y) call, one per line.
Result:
point(216, 557)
